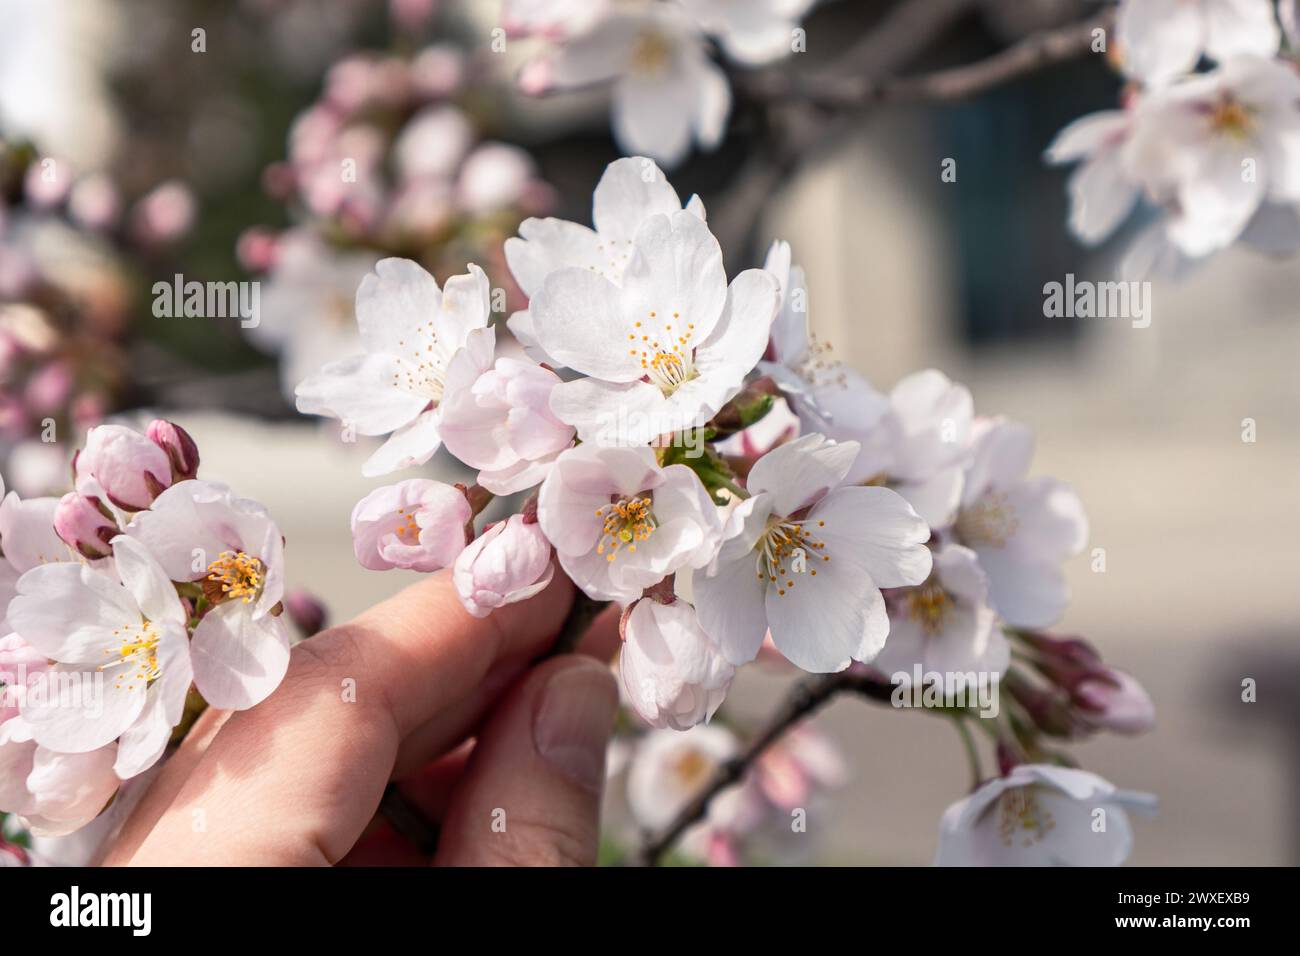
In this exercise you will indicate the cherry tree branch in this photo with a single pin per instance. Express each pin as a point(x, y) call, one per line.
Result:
point(806, 698)
point(837, 91)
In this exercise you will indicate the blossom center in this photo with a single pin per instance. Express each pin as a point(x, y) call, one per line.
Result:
point(819, 368)
point(1232, 118)
point(786, 548)
point(235, 574)
point(929, 604)
point(408, 529)
point(422, 363)
point(666, 354)
point(1022, 816)
point(691, 768)
point(137, 648)
point(627, 521)
point(989, 522)
point(652, 53)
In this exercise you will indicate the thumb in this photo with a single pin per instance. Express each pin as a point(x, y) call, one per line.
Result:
point(531, 793)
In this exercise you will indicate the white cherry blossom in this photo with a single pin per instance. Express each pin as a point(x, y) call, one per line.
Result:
point(673, 672)
point(1021, 528)
point(665, 349)
point(945, 625)
point(417, 524)
point(1041, 815)
point(620, 523)
point(199, 531)
point(503, 425)
point(630, 191)
point(666, 91)
point(122, 660)
point(805, 557)
point(421, 345)
point(1215, 148)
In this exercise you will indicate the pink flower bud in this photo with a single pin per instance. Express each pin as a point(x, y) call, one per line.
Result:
point(179, 446)
point(1115, 701)
point(123, 465)
point(306, 611)
point(417, 524)
point(48, 389)
point(674, 673)
point(84, 525)
point(509, 562)
point(164, 215)
point(95, 202)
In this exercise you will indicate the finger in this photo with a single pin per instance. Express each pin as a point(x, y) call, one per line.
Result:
point(297, 779)
point(428, 792)
point(163, 790)
point(602, 639)
point(531, 792)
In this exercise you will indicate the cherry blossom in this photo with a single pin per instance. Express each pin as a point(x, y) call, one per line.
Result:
point(1041, 815)
point(200, 531)
point(805, 557)
point(665, 349)
point(945, 625)
point(666, 91)
point(630, 191)
point(422, 344)
point(672, 672)
point(1021, 528)
point(510, 561)
point(417, 524)
point(504, 426)
point(620, 523)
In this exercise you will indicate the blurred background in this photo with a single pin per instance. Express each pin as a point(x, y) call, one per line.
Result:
point(128, 154)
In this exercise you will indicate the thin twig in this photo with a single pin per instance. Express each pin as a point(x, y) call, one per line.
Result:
point(852, 92)
point(806, 698)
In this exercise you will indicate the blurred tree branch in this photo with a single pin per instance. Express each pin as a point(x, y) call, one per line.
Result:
point(809, 112)
point(806, 698)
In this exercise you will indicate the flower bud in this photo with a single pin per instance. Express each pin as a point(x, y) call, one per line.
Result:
point(306, 611)
point(417, 524)
point(84, 525)
point(508, 562)
point(1113, 700)
point(181, 450)
point(674, 673)
point(126, 466)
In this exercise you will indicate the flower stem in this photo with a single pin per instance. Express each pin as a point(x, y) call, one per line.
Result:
point(972, 754)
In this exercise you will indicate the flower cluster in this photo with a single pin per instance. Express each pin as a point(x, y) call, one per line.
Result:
point(666, 90)
point(691, 452)
point(1216, 152)
point(66, 300)
point(387, 160)
point(129, 604)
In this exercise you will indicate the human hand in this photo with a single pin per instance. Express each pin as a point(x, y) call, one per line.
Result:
point(413, 690)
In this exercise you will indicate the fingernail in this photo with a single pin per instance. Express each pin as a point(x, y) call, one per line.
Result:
point(573, 720)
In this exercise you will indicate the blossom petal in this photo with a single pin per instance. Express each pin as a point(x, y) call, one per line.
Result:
point(360, 391)
point(238, 662)
point(630, 191)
